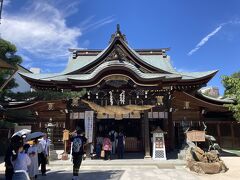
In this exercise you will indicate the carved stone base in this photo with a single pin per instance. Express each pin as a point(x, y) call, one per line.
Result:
point(53, 155)
point(147, 157)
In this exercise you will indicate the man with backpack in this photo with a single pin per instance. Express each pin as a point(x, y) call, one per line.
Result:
point(78, 142)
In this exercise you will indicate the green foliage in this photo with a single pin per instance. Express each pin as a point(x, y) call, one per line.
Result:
point(236, 75)
point(19, 115)
point(44, 95)
point(232, 89)
point(8, 54)
point(6, 124)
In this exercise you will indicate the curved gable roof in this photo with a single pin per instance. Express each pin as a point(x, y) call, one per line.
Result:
point(143, 64)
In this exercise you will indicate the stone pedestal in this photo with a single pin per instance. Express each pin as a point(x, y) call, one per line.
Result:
point(52, 153)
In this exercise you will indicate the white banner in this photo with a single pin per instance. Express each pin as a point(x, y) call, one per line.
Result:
point(89, 125)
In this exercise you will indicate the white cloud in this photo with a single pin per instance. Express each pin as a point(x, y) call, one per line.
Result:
point(205, 39)
point(40, 29)
point(214, 32)
point(88, 25)
point(6, 2)
point(25, 58)
point(41, 32)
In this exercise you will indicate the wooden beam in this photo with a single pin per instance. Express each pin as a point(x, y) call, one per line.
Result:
point(8, 80)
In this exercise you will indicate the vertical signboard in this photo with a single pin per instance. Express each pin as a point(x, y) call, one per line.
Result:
point(88, 121)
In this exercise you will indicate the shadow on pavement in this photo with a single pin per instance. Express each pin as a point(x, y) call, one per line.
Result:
point(226, 153)
point(84, 175)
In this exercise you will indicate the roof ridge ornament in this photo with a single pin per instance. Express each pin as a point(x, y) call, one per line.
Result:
point(118, 34)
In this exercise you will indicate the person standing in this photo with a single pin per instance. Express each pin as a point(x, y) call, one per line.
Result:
point(120, 145)
point(107, 147)
point(78, 142)
point(44, 142)
point(22, 161)
point(12, 152)
point(113, 137)
point(99, 146)
point(33, 154)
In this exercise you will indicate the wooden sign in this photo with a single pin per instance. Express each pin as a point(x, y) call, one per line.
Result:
point(65, 135)
point(196, 136)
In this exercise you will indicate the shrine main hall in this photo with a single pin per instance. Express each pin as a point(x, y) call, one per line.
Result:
point(135, 91)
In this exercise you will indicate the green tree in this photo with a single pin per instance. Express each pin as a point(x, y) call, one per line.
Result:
point(232, 89)
point(8, 54)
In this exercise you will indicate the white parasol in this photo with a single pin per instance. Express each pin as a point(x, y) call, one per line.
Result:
point(34, 135)
point(22, 132)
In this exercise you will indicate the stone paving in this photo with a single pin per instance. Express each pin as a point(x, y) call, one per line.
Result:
point(165, 171)
point(123, 174)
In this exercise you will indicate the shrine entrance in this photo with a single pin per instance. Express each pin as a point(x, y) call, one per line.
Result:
point(132, 129)
point(136, 90)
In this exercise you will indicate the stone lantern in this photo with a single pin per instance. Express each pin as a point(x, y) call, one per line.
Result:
point(52, 153)
point(159, 151)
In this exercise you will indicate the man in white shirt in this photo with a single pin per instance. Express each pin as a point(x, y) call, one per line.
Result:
point(44, 142)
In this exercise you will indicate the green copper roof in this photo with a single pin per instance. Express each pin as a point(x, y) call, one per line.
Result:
point(78, 63)
point(158, 61)
point(219, 99)
point(196, 75)
point(157, 65)
point(116, 63)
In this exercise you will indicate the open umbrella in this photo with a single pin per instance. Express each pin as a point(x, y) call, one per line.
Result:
point(209, 137)
point(22, 132)
point(34, 135)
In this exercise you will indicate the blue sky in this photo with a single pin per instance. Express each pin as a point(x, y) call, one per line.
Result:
point(202, 34)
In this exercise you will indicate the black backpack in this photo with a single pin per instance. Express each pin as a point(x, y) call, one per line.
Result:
point(77, 145)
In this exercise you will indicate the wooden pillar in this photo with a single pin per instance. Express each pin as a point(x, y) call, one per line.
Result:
point(146, 135)
point(232, 134)
point(94, 129)
point(171, 136)
point(142, 132)
point(219, 133)
point(67, 121)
